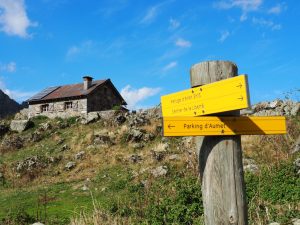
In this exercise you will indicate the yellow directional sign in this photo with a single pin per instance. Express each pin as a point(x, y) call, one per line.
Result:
point(212, 125)
point(221, 96)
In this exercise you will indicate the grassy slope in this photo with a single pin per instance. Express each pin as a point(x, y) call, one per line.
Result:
point(54, 195)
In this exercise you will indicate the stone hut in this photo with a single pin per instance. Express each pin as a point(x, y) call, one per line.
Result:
point(75, 99)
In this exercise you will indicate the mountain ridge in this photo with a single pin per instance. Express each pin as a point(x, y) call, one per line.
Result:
point(8, 106)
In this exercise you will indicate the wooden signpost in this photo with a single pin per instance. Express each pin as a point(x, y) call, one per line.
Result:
point(216, 88)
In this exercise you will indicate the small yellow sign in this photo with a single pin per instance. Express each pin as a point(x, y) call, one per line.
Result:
point(221, 96)
point(212, 125)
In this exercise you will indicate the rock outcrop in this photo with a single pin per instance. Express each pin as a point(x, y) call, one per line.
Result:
point(276, 108)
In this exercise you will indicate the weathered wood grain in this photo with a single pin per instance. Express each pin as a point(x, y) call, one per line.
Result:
point(220, 159)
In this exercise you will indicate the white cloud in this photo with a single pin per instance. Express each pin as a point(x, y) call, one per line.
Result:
point(183, 43)
point(17, 95)
point(150, 15)
point(266, 23)
point(13, 18)
point(153, 12)
point(245, 5)
point(77, 49)
point(174, 24)
point(224, 35)
point(171, 65)
point(277, 9)
point(9, 67)
point(134, 96)
point(74, 50)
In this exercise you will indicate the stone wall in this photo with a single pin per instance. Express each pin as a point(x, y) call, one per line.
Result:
point(57, 109)
point(103, 98)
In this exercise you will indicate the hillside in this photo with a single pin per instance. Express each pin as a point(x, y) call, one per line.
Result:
point(7, 105)
point(116, 168)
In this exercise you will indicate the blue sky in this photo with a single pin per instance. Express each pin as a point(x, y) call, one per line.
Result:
point(147, 47)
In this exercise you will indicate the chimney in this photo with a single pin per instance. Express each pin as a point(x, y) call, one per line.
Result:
point(87, 82)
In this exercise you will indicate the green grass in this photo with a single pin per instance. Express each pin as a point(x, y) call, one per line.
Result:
point(52, 203)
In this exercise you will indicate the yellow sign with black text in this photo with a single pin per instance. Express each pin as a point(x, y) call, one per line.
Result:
point(212, 125)
point(221, 96)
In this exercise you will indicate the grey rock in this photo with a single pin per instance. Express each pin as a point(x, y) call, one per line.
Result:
point(159, 171)
point(107, 115)
point(90, 118)
point(251, 168)
point(22, 115)
point(249, 165)
point(260, 106)
point(274, 223)
point(158, 155)
point(38, 223)
point(65, 147)
point(295, 109)
point(296, 221)
point(274, 104)
point(102, 140)
point(148, 137)
point(163, 146)
point(85, 188)
point(135, 158)
point(247, 111)
point(30, 164)
point(36, 136)
point(297, 163)
point(174, 157)
point(120, 119)
point(20, 125)
point(145, 183)
point(165, 139)
point(188, 142)
point(138, 119)
point(70, 165)
point(79, 155)
point(135, 135)
point(13, 142)
point(45, 126)
point(138, 145)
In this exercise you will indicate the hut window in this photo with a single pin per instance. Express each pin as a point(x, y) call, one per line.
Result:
point(45, 108)
point(68, 105)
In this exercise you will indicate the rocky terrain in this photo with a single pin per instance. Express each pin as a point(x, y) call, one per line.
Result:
point(115, 167)
point(7, 106)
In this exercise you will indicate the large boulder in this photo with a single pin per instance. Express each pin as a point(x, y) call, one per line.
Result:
point(20, 125)
point(22, 115)
point(91, 117)
point(12, 143)
point(159, 171)
point(135, 135)
point(70, 165)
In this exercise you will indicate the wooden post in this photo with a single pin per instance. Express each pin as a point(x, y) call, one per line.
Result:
point(220, 159)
